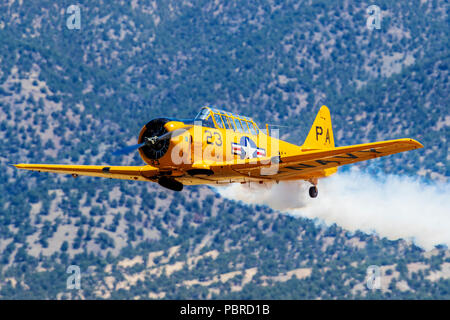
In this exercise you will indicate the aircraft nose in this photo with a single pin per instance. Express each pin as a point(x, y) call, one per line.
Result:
point(174, 125)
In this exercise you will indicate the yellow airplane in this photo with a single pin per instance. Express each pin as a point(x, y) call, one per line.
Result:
point(219, 147)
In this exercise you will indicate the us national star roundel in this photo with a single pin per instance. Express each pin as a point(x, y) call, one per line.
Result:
point(247, 149)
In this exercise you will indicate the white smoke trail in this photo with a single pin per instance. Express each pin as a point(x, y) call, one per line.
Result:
point(392, 206)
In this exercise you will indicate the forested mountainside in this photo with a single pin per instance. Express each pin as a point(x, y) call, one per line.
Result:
point(75, 96)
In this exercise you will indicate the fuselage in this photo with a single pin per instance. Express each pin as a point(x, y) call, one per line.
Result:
point(204, 144)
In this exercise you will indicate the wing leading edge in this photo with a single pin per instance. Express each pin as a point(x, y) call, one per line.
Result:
point(143, 173)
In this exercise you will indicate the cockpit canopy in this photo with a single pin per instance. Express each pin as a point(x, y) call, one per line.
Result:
point(221, 119)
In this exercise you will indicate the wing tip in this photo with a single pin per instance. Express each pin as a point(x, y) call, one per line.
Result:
point(24, 166)
point(416, 143)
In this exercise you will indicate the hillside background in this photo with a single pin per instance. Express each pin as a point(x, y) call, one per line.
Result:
point(75, 96)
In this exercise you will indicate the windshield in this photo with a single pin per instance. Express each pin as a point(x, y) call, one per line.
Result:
point(203, 114)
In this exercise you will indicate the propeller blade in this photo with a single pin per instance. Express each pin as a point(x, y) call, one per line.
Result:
point(154, 140)
point(174, 133)
point(128, 149)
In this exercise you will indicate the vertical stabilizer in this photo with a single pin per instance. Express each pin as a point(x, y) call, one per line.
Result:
point(321, 134)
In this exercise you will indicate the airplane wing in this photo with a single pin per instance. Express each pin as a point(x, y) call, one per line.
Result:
point(312, 163)
point(143, 173)
point(304, 165)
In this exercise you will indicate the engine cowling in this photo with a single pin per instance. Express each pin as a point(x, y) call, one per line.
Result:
point(154, 128)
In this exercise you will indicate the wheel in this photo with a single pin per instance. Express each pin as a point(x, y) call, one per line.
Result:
point(313, 192)
point(170, 183)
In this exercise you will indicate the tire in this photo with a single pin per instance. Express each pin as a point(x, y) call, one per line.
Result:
point(313, 192)
point(170, 183)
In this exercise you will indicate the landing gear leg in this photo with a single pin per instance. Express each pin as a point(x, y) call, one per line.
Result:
point(313, 191)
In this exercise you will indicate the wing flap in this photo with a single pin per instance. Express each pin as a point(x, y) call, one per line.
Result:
point(143, 173)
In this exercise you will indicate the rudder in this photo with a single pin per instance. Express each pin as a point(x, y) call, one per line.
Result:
point(321, 134)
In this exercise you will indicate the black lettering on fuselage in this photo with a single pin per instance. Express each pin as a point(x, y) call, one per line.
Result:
point(319, 132)
point(208, 137)
point(327, 138)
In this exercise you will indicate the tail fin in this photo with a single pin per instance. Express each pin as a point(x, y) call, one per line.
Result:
point(321, 134)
